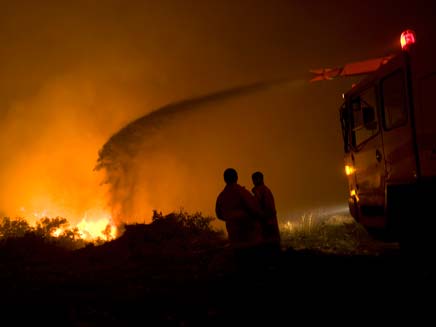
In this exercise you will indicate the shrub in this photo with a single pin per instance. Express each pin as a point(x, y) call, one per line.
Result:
point(176, 230)
point(191, 224)
point(17, 227)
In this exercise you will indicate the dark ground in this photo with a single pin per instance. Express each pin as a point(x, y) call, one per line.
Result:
point(125, 283)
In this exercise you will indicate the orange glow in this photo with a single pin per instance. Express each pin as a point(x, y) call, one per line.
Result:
point(57, 232)
point(49, 170)
point(92, 227)
point(353, 193)
point(407, 38)
point(349, 170)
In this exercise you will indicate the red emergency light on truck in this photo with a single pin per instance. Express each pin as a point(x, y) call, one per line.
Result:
point(389, 131)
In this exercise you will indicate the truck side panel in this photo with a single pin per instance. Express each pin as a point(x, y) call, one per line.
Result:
point(423, 73)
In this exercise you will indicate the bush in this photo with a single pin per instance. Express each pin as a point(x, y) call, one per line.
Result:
point(175, 231)
point(19, 228)
point(184, 222)
point(45, 227)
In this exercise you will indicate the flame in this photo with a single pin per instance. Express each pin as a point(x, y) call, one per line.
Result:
point(95, 225)
point(57, 232)
point(102, 228)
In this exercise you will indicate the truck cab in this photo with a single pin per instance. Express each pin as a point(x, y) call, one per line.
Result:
point(388, 125)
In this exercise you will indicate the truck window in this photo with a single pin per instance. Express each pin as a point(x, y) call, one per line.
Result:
point(394, 101)
point(345, 124)
point(365, 123)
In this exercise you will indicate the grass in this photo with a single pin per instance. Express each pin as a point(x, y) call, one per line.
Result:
point(339, 234)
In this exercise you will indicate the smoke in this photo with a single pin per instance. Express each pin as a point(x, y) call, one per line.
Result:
point(74, 74)
point(49, 143)
point(129, 156)
point(174, 157)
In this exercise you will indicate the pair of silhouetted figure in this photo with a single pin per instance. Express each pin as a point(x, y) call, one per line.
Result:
point(251, 219)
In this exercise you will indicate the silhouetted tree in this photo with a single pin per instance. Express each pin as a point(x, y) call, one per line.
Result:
point(17, 227)
point(46, 226)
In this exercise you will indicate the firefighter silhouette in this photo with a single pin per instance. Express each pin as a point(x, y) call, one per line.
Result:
point(265, 200)
point(238, 208)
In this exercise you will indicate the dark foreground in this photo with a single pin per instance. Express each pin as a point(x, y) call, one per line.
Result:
point(126, 284)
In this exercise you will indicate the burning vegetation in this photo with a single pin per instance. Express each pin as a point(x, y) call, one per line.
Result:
point(169, 231)
point(58, 231)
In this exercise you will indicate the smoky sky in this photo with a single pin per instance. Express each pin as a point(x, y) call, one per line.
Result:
point(74, 74)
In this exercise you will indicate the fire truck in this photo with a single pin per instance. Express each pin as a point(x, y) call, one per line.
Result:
point(388, 122)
